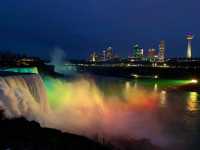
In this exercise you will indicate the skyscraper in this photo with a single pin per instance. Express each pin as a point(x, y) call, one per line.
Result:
point(152, 54)
point(162, 51)
point(93, 57)
point(104, 55)
point(109, 53)
point(189, 38)
point(138, 52)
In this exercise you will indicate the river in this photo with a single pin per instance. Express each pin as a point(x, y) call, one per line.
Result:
point(178, 112)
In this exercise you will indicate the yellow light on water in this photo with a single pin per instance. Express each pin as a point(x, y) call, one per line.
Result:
point(163, 92)
point(163, 98)
point(155, 87)
point(127, 86)
point(192, 101)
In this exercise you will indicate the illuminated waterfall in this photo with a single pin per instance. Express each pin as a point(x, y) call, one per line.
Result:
point(80, 107)
point(23, 96)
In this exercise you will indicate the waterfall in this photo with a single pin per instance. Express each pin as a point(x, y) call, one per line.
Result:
point(23, 95)
point(80, 107)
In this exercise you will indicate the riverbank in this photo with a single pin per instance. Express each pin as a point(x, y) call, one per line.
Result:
point(188, 87)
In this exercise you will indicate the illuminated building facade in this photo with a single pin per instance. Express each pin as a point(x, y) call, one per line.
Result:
point(138, 52)
point(104, 55)
point(152, 54)
point(93, 57)
point(109, 53)
point(162, 51)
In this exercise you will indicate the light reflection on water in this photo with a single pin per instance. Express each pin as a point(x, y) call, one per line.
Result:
point(155, 87)
point(192, 102)
point(178, 111)
point(163, 98)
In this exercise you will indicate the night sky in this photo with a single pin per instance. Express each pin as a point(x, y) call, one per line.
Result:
point(36, 27)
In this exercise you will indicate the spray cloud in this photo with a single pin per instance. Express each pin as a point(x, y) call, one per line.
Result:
point(80, 107)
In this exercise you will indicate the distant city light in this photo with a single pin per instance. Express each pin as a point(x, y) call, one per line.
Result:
point(135, 75)
point(156, 77)
point(194, 81)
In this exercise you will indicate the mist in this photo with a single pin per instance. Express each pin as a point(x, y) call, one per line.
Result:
point(58, 59)
point(80, 107)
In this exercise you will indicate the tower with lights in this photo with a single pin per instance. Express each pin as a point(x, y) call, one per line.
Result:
point(189, 37)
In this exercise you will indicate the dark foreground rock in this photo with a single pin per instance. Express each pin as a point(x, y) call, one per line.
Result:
point(20, 134)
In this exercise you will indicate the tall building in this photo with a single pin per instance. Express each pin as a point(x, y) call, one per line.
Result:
point(138, 52)
point(109, 53)
point(162, 51)
point(104, 55)
point(189, 38)
point(93, 57)
point(152, 54)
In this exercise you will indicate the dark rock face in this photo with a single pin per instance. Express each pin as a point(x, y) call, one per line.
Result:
point(19, 134)
point(131, 144)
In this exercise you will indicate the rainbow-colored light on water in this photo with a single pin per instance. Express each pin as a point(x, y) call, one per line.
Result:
point(88, 108)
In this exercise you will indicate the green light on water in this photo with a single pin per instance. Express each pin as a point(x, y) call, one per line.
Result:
point(23, 70)
point(162, 83)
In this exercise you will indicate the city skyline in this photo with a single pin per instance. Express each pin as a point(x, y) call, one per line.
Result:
point(138, 52)
point(36, 27)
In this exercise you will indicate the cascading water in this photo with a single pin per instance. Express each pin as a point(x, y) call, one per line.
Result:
point(23, 96)
point(80, 107)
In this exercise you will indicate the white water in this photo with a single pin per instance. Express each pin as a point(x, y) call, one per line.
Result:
point(23, 96)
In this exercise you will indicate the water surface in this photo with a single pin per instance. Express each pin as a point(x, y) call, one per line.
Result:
point(178, 112)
